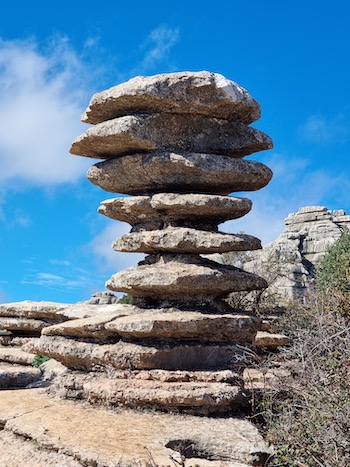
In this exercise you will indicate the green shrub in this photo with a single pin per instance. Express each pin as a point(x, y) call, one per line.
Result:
point(39, 360)
point(126, 299)
point(333, 275)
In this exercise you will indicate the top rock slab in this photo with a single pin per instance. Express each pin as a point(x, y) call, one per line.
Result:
point(201, 93)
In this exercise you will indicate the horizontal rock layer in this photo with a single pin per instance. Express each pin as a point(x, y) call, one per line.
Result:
point(161, 324)
point(140, 174)
point(90, 356)
point(197, 397)
point(17, 376)
point(152, 212)
point(201, 92)
point(183, 276)
point(167, 132)
point(185, 240)
point(36, 310)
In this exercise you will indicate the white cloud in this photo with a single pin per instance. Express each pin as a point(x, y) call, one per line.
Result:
point(108, 260)
point(158, 45)
point(41, 97)
point(320, 129)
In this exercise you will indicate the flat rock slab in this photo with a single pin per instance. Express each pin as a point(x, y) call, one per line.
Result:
point(184, 240)
point(169, 132)
point(185, 277)
point(93, 327)
point(200, 398)
point(23, 324)
point(174, 208)
point(81, 355)
point(17, 376)
point(140, 174)
point(86, 310)
point(187, 325)
point(34, 310)
point(101, 437)
point(269, 340)
point(16, 355)
point(201, 93)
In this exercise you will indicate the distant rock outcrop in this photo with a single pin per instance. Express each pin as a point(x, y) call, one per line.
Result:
point(289, 262)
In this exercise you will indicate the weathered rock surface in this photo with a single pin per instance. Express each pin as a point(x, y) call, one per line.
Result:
point(140, 174)
point(16, 376)
point(101, 437)
point(269, 340)
point(164, 132)
point(102, 298)
point(184, 240)
point(187, 276)
point(187, 325)
point(35, 310)
point(90, 356)
point(289, 262)
point(23, 324)
point(173, 208)
point(15, 355)
point(202, 93)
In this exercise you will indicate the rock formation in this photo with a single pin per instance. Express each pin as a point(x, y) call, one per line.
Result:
point(177, 142)
point(289, 262)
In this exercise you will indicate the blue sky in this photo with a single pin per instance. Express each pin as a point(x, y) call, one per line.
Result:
point(292, 56)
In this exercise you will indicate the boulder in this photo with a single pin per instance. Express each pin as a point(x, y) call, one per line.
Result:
point(187, 325)
point(184, 240)
point(174, 208)
point(202, 93)
point(190, 277)
point(17, 376)
point(140, 174)
point(167, 132)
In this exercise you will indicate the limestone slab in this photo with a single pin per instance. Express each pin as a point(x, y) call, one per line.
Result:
point(201, 92)
point(101, 437)
point(269, 340)
point(23, 324)
point(187, 325)
point(168, 132)
point(87, 356)
point(172, 208)
point(15, 355)
point(184, 240)
point(35, 310)
point(196, 397)
point(141, 174)
point(17, 376)
point(187, 276)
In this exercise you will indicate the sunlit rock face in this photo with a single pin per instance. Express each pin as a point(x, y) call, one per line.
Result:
point(177, 143)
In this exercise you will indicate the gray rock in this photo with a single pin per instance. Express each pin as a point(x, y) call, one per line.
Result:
point(184, 240)
point(90, 356)
point(269, 340)
point(15, 355)
point(23, 324)
point(187, 276)
point(17, 376)
point(201, 92)
point(172, 208)
point(197, 397)
point(187, 325)
point(140, 174)
point(35, 310)
point(168, 132)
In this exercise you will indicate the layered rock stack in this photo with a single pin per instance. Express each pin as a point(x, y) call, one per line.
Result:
point(176, 142)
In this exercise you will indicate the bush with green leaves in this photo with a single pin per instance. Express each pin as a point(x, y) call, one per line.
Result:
point(333, 274)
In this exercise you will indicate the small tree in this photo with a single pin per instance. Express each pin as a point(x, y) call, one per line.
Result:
point(333, 273)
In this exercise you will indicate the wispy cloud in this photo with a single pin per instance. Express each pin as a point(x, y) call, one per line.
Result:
point(319, 129)
point(158, 45)
point(41, 98)
point(108, 260)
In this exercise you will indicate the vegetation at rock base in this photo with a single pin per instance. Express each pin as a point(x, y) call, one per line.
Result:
point(307, 415)
point(126, 299)
point(39, 360)
point(333, 274)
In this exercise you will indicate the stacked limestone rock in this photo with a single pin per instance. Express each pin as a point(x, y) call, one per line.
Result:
point(21, 323)
point(176, 142)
